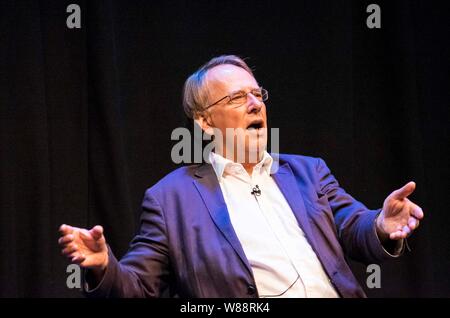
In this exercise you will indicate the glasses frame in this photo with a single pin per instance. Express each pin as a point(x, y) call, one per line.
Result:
point(264, 97)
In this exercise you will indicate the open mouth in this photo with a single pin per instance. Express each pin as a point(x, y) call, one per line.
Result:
point(257, 124)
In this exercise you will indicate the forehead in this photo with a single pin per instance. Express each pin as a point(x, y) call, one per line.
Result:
point(228, 78)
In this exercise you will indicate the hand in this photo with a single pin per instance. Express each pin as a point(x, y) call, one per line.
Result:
point(399, 216)
point(84, 247)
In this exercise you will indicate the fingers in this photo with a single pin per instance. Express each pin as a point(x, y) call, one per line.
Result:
point(96, 232)
point(66, 239)
point(77, 244)
point(65, 229)
point(85, 233)
point(405, 231)
point(398, 235)
point(72, 252)
point(413, 223)
point(69, 250)
point(405, 191)
point(78, 259)
point(417, 212)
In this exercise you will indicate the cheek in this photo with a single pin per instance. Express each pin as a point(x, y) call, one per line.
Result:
point(229, 119)
point(264, 111)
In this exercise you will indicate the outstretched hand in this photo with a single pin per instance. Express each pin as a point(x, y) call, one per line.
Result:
point(84, 247)
point(400, 216)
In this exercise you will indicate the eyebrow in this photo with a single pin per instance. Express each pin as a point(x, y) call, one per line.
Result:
point(241, 90)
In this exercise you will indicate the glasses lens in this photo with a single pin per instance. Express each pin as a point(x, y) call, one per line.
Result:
point(238, 98)
point(258, 94)
point(264, 94)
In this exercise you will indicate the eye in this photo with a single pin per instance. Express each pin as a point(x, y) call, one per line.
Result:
point(237, 98)
point(257, 94)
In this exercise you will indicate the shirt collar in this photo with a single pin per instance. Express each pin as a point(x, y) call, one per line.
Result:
point(223, 165)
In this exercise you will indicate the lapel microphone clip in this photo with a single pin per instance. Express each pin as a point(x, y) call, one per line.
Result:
point(256, 191)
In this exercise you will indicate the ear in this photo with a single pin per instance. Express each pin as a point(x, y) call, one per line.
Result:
point(203, 121)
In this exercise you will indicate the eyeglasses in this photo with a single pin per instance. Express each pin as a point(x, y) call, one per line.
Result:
point(240, 98)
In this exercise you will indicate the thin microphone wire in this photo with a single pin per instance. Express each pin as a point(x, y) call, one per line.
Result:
point(256, 193)
point(281, 294)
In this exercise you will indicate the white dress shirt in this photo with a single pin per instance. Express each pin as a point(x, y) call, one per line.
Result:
point(282, 261)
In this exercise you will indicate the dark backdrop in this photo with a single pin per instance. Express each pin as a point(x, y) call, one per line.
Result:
point(86, 115)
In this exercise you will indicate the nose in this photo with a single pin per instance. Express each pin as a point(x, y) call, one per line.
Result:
point(253, 103)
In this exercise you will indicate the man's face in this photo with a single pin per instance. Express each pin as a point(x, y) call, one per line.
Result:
point(248, 121)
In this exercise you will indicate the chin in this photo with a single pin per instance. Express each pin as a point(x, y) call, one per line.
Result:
point(255, 154)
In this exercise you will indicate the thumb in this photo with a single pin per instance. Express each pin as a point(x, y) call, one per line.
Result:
point(96, 232)
point(405, 191)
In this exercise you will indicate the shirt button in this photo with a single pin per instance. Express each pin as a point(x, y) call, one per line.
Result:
point(251, 290)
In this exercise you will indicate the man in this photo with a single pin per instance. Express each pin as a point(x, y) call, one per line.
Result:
point(237, 227)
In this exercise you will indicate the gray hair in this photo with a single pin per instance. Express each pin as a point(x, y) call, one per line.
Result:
point(195, 91)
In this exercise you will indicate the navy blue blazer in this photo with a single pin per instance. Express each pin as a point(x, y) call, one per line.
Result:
point(187, 243)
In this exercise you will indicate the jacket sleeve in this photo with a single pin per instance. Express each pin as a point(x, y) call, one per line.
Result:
point(355, 223)
point(144, 270)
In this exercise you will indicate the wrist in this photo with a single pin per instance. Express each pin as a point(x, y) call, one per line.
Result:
point(382, 234)
point(105, 262)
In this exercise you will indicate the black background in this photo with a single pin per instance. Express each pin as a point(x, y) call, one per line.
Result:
point(86, 115)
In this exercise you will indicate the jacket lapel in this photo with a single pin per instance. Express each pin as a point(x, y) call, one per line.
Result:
point(209, 189)
point(289, 187)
